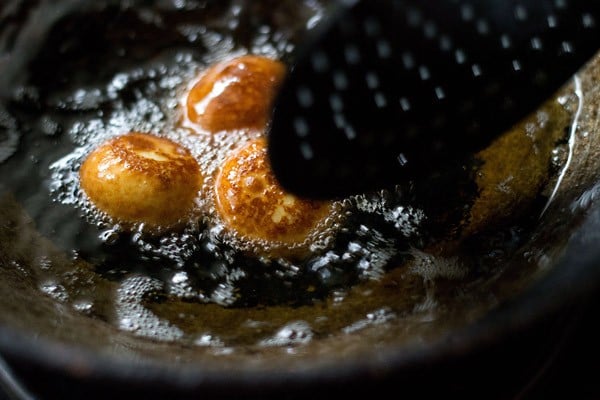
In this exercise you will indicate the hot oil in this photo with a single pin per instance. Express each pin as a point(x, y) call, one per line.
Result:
point(376, 262)
point(200, 260)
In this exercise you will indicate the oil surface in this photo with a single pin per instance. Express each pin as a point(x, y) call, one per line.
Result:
point(407, 254)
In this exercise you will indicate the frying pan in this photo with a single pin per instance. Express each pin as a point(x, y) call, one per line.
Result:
point(480, 328)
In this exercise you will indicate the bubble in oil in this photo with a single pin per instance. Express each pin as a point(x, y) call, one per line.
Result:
point(180, 286)
point(55, 290)
point(376, 317)
point(293, 333)
point(208, 340)
point(44, 263)
point(406, 219)
point(270, 43)
point(134, 317)
point(431, 267)
point(84, 306)
point(193, 33)
point(226, 292)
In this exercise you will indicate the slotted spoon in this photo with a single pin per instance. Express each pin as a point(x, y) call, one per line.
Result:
point(386, 91)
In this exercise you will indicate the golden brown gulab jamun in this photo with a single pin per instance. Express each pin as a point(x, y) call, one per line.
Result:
point(251, 203)
point(140, 178)
point(235, 94)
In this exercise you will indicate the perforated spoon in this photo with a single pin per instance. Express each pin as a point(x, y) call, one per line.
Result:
point(386, 91)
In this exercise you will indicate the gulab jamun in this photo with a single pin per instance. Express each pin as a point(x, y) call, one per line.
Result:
point(235, 94)
point(251, 203)
point(140, 178)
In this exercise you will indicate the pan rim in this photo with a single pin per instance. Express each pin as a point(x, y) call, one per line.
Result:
point(570, 281)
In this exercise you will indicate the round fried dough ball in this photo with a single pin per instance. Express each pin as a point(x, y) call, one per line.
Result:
point(235, 94)
point(141, 178)
point(252, 204)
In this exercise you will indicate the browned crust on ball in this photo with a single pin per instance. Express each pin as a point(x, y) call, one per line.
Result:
point(251, 202)
point(235, 94)
point(141, 178)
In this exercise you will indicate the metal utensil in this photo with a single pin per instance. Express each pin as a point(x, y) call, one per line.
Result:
point(387, 91)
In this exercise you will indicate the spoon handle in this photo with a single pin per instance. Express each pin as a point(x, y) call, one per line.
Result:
point(385, 91)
